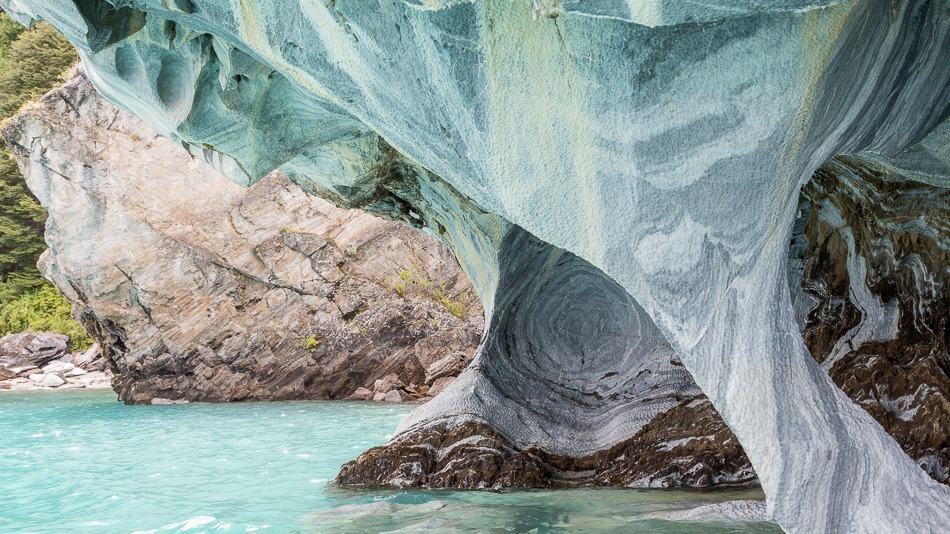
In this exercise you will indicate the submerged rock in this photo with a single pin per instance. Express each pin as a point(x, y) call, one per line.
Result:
point(200, 290)
point(619, 180)
point(159, 401)
point(723, 511)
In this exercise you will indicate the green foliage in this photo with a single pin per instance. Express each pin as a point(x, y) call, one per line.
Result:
point(31, 63)
point(311, 343)
point(18, 283)
point(43, 310)
point(420, 284)
point(21, 222)
point(9, 31)
point(457, 308)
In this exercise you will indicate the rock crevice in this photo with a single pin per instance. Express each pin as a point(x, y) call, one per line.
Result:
point(201, 291)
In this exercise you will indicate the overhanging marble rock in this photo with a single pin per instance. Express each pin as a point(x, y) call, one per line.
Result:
point(663, 145)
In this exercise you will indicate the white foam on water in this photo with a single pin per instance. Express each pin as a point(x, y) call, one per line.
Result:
point(720, 511)
point(189, 524)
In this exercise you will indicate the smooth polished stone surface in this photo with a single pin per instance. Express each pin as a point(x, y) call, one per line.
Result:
point(662, 148)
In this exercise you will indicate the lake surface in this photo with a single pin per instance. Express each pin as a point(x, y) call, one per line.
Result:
point(80, 461)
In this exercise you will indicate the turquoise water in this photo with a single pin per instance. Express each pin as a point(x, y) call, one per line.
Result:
point(81, 462)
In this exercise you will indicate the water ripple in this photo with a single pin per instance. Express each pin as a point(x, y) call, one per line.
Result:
point(82, 462)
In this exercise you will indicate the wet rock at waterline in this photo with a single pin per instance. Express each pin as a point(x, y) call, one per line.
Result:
point(685, 446)
point(200, 290)
point(652, 146)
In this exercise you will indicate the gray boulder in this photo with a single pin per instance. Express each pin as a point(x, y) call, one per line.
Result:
point(29, 350)
point(58, 367)
point(52, 381)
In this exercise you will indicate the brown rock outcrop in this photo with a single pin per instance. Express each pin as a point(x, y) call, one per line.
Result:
point(876, 266)
point(201, 290)
point(670, 451)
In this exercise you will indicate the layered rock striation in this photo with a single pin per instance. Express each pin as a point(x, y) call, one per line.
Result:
point(200, 290)
point(897, 253)
point(876, 246)
point(653, 155)
point(38, 360)
point(867, 271)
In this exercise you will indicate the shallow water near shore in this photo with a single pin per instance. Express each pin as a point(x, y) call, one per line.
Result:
point(80, 461)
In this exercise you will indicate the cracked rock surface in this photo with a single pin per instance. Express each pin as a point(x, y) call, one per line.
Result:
point(870, 246)
point(200, 290)
point(657, 148)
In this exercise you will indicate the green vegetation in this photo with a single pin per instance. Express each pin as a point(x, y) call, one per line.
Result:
point(405, 277)
point(311, 343)
point(43, 310)
point(457, 308)
point(420, 284)
point(31, 63)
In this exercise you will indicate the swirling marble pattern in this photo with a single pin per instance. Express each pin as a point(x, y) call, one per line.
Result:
point(664, 145)
point(570, 362)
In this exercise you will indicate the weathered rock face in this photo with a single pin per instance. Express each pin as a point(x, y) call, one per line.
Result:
point(876, 256)
point(868, 265)
point(29, 350)
point(685, 446)
point(33, 360)
point(656, 148)
point(200, 290)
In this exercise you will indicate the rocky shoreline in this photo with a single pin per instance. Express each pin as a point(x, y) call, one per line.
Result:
point(42, 361)
point(32, 361)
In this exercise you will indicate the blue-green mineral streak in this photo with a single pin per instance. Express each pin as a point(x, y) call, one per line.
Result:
point(662, 143)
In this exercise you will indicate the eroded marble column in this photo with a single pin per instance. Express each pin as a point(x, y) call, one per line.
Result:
point(664, 144)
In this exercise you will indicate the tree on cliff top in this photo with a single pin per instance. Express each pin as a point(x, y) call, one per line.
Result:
point(31, 63)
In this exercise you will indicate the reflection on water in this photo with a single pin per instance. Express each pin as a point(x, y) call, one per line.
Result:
point(82, 462)
point(578, 510)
